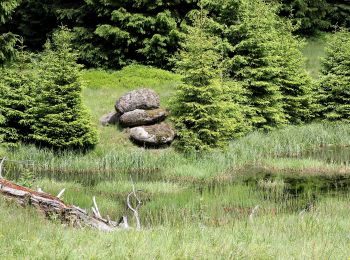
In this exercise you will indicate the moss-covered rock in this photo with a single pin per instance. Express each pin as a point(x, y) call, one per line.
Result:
point(138, 99)
point(139, 117)
point(153, 135)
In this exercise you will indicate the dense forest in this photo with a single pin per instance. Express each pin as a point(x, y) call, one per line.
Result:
point(115, 33)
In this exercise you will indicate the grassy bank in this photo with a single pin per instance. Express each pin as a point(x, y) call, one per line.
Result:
point(322, 234)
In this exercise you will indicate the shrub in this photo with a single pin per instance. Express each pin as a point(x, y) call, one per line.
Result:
point(266, 59)
point(296, 85)
point(254, 63)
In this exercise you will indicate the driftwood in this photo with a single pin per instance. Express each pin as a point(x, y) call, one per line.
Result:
point(2, 166)
point(139, 203)
point(54, 207)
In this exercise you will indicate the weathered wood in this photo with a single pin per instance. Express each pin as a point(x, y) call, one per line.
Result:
point(134, 210)
point(1, 166)
point(54, 207)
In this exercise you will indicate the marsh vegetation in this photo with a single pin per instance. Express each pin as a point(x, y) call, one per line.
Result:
point(194, 206)
point(261, 165)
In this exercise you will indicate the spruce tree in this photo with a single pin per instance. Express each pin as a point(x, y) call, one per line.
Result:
point(203, 111)
point(296, 85)
point(334, 96)
point(310, 15)
point(254, 63)
point(17, 83)
point(59, 119)
point(8, 40)
point(266, 59)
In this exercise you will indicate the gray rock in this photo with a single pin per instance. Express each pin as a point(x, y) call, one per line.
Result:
point(111, 118)
point(138, 99)
point(139, 117)
point(153, 135)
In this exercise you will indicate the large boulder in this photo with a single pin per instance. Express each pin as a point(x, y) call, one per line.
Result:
point(111, 118)
point(153, 135)
point(138, 99)
point(140, 117)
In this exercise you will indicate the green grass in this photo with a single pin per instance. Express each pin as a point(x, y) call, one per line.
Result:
point(103, 88)
point(322, 234)
point(129, 78)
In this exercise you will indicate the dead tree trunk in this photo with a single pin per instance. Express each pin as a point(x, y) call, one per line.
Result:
point(53, 206)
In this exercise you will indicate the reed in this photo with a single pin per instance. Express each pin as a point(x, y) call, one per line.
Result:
point(319, 234)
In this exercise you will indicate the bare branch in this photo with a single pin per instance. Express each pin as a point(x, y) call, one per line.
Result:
point(94, 212)
point(134, 210)
point(1, 166)
point(124, 223)
point(97, 212)
point(253, 212)
point(61, 193)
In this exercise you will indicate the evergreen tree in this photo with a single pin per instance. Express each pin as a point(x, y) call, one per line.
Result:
point(339, 13)
point(34, 21)
point(266, 59)
point(143, 31)
point(17, 83)
point(6, 9)
point(58, 119)
point(8, 40)
point(203, 111)
point(335, 82)
point(296, 85)
point(255, 63)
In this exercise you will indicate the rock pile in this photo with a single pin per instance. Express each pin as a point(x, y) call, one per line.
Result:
point(140, 111)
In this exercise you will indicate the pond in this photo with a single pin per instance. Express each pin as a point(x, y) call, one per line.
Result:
point(213, 203)
point(330, 154)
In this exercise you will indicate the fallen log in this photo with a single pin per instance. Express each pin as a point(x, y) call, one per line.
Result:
point(52, 206)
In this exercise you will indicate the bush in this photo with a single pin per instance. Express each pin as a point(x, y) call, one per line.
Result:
point(296, 85)
point(254, 63)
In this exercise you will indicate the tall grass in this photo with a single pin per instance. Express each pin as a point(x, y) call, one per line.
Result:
point(321, 234)
point(282, 149)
